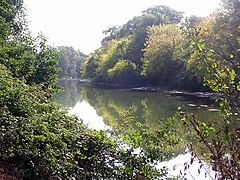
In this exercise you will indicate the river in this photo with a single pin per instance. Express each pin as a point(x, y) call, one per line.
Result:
point(100, 109)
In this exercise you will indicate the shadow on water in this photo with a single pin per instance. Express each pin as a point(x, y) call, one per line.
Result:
point(148, 107)
point(101, 107)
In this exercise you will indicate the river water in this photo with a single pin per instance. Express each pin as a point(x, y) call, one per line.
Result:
point(101, 108)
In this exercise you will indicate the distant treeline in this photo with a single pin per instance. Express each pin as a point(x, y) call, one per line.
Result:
point(70, 61)
point(155, 49)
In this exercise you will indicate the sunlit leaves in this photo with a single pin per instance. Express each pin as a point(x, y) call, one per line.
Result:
point(38, 139)
point(41, 139)
point(126, 42)
point(215, 53)
point(110, 63)
point(161, 48)
point(69, 61)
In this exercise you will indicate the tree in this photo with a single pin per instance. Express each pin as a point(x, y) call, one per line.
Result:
point(217, 32)
point(28, 58)
point(223, 28)
point(169, 15)
point(193, 20)
point(123, 71)
point(12, 17)
point(89, 66)
point(162, 44)
point(230, 12)
point(110, 63)
point(70, 62)
point(162, 62)
point(152, 16)
point(127, 43)
point(32, 60)
point(38, 139)
point(217, 53)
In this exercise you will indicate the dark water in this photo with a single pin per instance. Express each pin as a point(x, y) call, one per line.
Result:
point(101, 108)
point(147, 107)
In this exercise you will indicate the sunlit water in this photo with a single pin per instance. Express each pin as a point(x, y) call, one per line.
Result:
point(99, 108)
point(88, 114)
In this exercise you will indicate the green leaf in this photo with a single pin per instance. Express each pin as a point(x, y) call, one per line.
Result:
point(238, 87)
point(232, 75)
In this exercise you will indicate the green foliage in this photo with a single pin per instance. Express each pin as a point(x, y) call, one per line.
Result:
point(69, 62)
point(41, 141)
point(38, 139)
point(166, 57)
point(164, 61)
point(111, 64)
point(219, 145)
point(32, 60)
point(123, 70)
point(171, 16)
point(161, 49)
point(29, 59)
point(110, 55)
point(11, 17)
point(153, 144)
point(152, 16)
point(89, 66)
point(126, 43)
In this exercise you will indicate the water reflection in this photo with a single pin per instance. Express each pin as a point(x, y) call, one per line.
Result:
point(100, 108)
point(177, 168)
point(88, 114)
point(70, 95)
point(149, 106)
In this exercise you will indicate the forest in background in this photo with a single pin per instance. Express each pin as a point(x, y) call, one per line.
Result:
point(154, 49)
point(70, 62)
point(39, 140)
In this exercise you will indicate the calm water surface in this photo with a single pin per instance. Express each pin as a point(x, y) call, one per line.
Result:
point(100, 108)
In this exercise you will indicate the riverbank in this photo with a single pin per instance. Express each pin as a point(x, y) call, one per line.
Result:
point(201, 94)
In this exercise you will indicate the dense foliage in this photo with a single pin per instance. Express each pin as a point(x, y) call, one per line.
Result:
point(147, 50)
point(216, 52)
point(162, 62)
point(38, 139)
point(69, 61)
point(203, 52)
point(119, 60)
point(158, 51)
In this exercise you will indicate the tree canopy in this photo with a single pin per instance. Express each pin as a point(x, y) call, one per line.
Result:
point(38, 138)
point(129, 41)
point(160, 50)
point(70, 62)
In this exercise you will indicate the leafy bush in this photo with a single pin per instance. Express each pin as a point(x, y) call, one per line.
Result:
point(219, 146)
point(40, 141)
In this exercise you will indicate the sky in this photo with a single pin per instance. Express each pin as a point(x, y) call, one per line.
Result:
point(80, 23)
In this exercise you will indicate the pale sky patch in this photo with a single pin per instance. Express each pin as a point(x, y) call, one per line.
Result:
point(79, 23)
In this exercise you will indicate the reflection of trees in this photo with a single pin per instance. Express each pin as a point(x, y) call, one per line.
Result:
point(70, 95)
point(153, 109)
point(149, 108)
point(109, 104)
